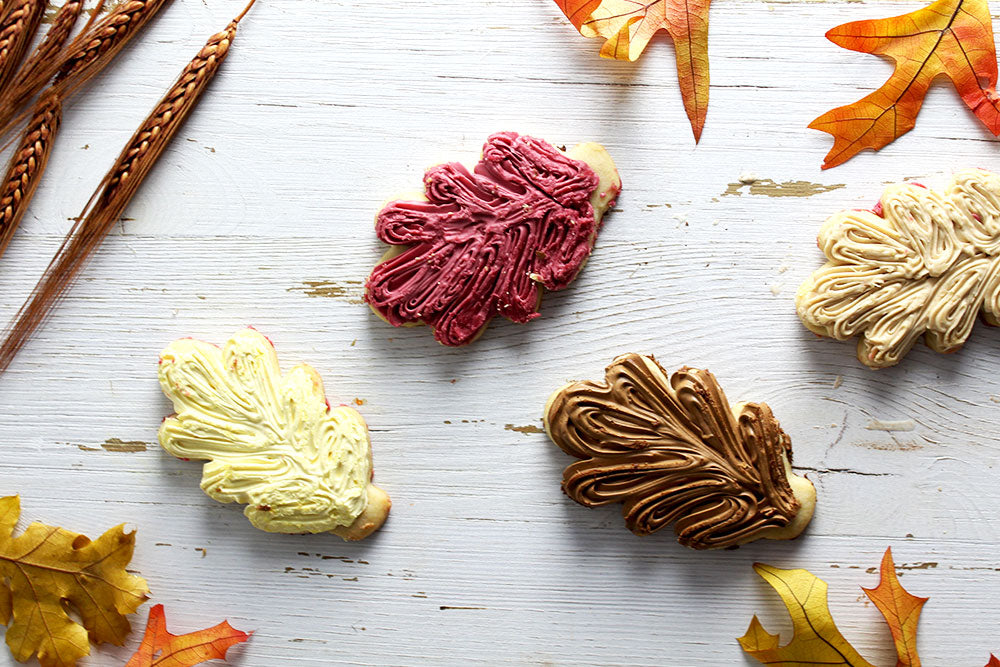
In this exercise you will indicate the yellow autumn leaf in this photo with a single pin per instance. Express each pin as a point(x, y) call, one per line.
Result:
point(815, 640)
point(47, 572)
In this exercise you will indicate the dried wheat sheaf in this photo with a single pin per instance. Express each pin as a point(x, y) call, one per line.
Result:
point(86, 55)
point(50, 47)
point(118, 187)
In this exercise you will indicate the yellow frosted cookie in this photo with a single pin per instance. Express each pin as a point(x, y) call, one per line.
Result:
point(272, 442)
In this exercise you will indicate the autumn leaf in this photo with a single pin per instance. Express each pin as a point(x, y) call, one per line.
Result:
point(994, 662)
point(816, 639)
point(953, 38)
point(901, 611)
point(162, 649)
point(628, 25)
point(49, 571)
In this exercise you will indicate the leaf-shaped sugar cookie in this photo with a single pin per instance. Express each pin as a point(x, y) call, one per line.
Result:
point(674, 452)
point(484, 243)
point(48, 571)
point(923, 263)
point(272, 443)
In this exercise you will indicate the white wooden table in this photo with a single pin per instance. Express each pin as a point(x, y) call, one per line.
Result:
point(261, 213)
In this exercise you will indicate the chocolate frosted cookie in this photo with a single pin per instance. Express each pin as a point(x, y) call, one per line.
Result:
point(484, 243)
point(673, 451)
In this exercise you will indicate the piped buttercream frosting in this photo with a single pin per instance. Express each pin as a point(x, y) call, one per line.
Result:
point(924, 262)
point(672, 451)
point(484, 242)
point(271, 442)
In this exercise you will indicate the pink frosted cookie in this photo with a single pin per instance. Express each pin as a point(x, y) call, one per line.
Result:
point(483, 243)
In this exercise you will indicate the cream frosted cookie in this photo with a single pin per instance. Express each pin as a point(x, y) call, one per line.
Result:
point(923, 263)
point(673, 451)
point(483, 243)
point(272, 442)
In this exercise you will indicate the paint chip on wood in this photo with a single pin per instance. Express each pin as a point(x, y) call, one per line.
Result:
point(769, 188)
point(892, 426)
point(119, 445)
point(351, 291)
point(527, 428)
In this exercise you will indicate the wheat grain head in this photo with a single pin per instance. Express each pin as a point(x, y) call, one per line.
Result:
point(28, 164)
point(17, 29)
point(55, 39)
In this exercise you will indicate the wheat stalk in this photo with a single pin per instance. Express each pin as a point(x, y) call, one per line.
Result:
point(17, 29)
point(28, 164)
point(117, 188)
point(55, 39)
point(86, 55)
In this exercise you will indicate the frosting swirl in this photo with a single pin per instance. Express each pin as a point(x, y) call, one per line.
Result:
point(674, 452)
point(272, 443)
point(924, 263)
point(482, 243)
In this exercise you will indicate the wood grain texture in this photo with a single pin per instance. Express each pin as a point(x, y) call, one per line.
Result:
point(261, 213)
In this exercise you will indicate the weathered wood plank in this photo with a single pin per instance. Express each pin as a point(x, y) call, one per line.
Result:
point(261, 214)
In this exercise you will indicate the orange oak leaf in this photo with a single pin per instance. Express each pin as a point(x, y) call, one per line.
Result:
point(159, 648)
point(628, 25)
point(953, 38)
point(901, 611)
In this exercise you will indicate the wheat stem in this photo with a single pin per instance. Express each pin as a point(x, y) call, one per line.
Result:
point(117, 189)
point(93, 15)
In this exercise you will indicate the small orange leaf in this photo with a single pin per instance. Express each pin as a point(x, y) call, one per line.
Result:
point(163, 649)
point(628, 25)
point(993, 661)
point(900, 609)
point(949, 37)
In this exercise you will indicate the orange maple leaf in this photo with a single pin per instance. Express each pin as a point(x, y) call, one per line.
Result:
point(900, 609)
point(159, 648)
point(949, 37)
point(628, 25)
point(994, 662)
